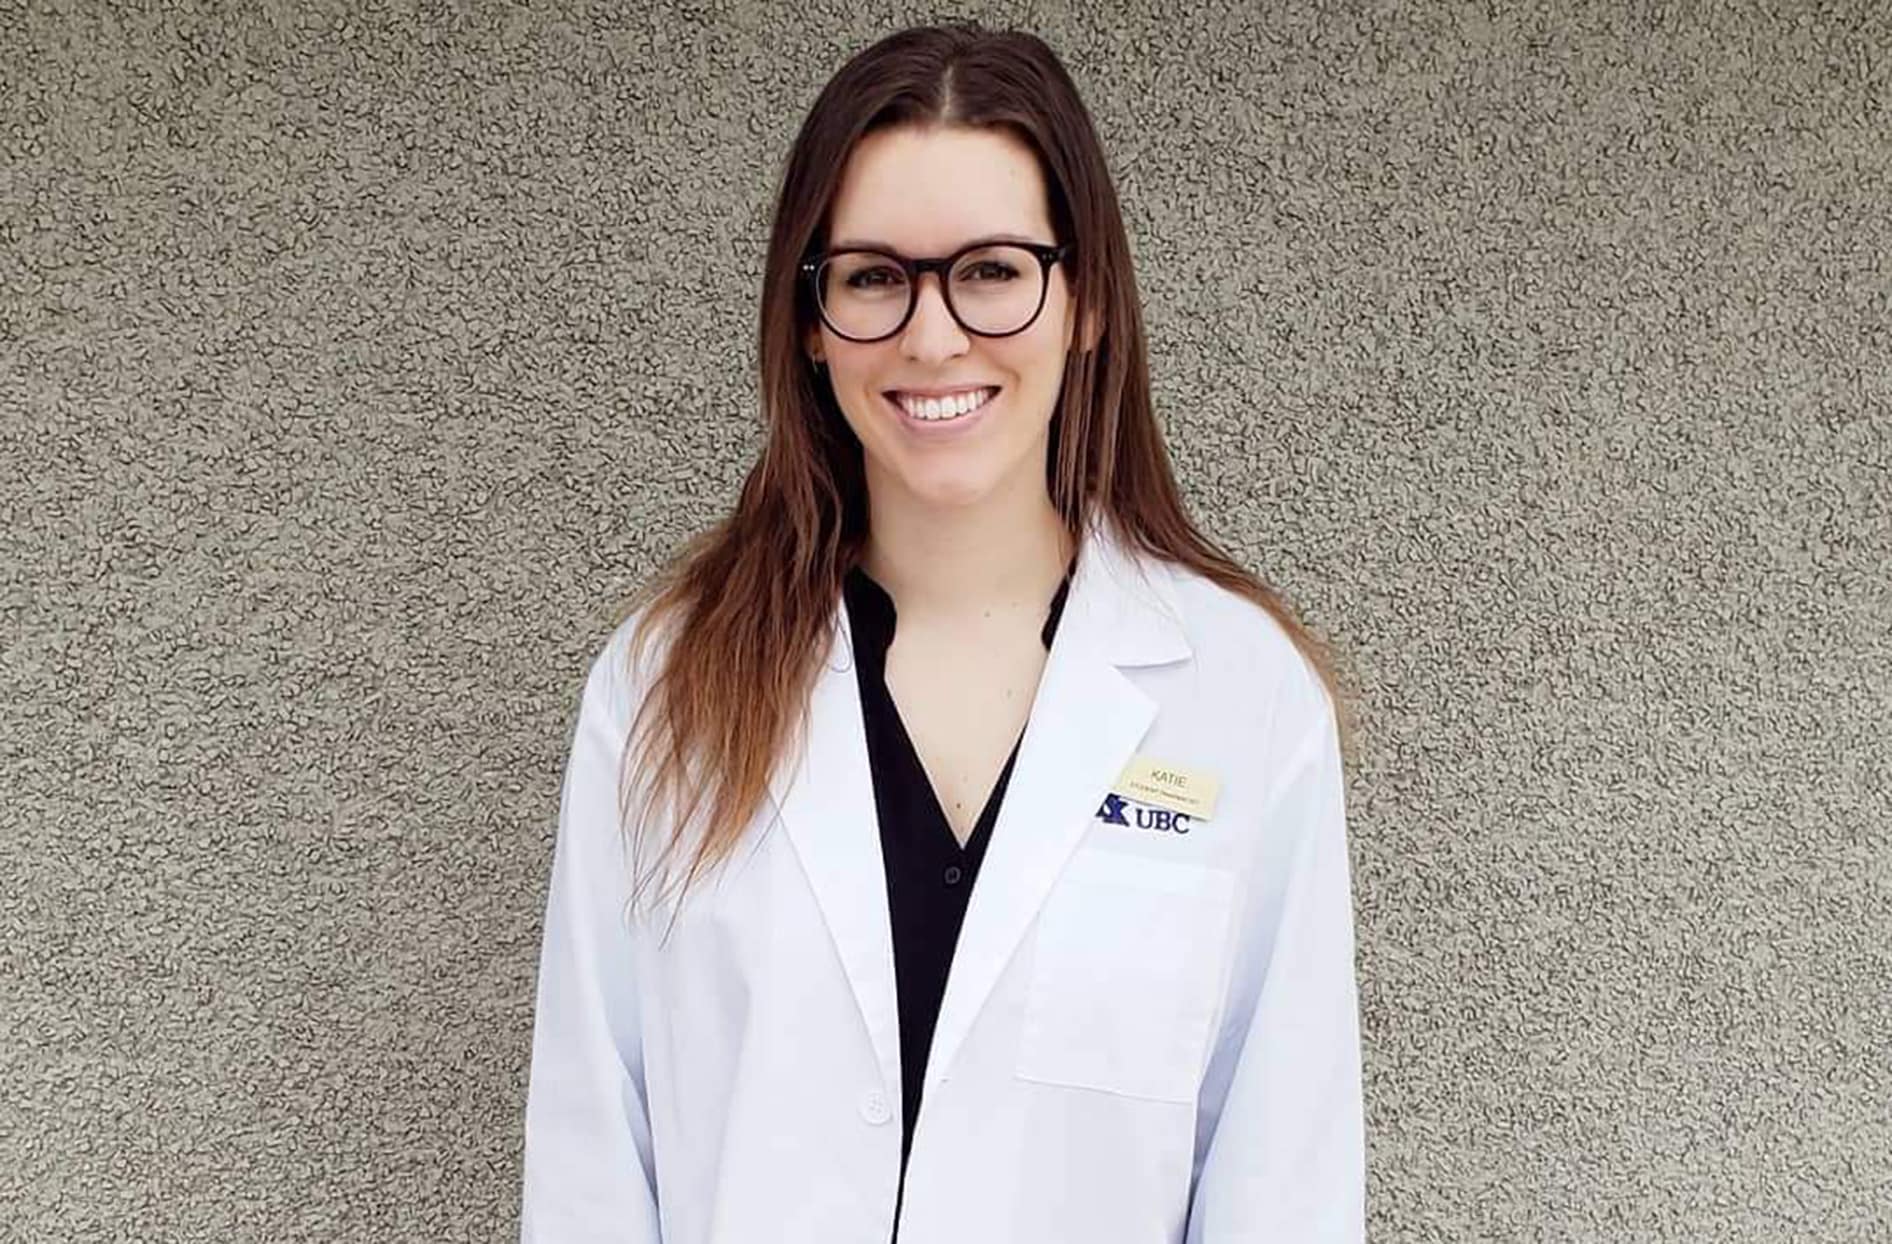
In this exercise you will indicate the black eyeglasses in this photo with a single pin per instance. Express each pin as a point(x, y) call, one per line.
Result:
point(993, 289)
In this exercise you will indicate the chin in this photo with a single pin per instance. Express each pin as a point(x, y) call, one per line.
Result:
point(952, 486)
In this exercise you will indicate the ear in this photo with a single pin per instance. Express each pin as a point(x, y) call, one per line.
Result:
point(811, 346)
point(1091, 332)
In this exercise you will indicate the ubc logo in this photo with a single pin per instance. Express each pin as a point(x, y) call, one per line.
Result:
point(1161, 820)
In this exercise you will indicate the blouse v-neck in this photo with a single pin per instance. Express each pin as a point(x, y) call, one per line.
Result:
point(929, 874)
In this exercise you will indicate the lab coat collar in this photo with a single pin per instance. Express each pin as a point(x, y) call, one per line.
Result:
point(1085, 724)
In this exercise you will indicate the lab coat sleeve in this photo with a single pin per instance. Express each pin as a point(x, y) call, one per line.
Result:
point(589, 1173)
point(1284, 1157)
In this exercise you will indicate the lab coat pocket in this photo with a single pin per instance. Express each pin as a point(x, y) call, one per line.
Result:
point(1125, 987)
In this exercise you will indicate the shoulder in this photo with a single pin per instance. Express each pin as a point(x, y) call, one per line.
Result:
point(624, 663)
point(1242, 651)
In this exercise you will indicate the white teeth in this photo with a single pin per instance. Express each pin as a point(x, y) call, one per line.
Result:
point(942, 409)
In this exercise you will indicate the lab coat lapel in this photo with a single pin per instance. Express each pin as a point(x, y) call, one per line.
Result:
point(1086, 721)
point(827, 806)
point(1085, 724)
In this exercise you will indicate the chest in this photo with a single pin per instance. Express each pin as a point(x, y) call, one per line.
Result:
point(963, 710)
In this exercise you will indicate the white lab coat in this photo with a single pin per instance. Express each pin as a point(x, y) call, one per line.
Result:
point(1147, 1036)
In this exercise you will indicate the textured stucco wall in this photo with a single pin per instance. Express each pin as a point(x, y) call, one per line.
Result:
point(1540, 352)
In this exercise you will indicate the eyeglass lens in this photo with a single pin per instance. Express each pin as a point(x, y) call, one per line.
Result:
point(995, 289)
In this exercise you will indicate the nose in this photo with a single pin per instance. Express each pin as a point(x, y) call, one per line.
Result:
point(931, 330)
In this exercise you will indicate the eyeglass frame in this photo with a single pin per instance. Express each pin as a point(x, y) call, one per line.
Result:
point(1045, 253)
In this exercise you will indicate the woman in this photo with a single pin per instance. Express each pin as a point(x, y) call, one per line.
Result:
point(986, 874)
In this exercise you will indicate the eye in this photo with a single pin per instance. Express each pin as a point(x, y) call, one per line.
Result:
point(988, 270)
point(875, 277)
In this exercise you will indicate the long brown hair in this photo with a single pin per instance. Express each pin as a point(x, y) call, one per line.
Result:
point(748, 602)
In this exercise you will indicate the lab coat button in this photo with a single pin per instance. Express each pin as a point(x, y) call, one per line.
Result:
point(874, 1109)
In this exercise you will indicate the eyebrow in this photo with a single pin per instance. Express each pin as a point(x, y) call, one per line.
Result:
point(985, 239)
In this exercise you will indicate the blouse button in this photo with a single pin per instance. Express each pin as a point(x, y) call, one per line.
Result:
point(952, 875)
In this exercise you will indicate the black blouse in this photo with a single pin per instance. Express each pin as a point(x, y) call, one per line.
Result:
point(929, 875)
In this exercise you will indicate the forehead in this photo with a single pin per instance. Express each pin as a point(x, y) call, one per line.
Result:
point(927, 192)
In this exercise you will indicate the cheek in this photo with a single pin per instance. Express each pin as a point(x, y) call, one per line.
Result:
point(1036, 356)
point(1050, 337)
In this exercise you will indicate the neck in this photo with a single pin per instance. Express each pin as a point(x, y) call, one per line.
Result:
point(969, 566)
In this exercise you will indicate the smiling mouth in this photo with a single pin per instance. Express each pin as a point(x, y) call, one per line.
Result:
point(943, 410)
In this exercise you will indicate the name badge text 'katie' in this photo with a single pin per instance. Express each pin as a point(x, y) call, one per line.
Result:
point(1189, 791)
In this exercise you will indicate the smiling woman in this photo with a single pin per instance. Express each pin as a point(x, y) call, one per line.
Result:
point(990, 310)
point(953, 840)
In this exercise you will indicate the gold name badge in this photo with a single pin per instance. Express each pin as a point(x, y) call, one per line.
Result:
point(1189, 791)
